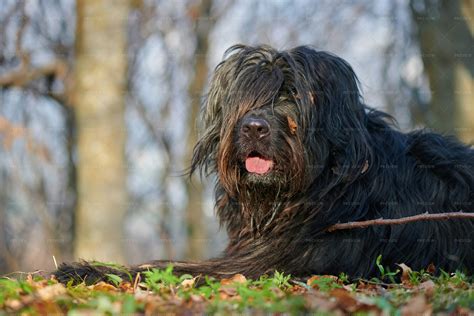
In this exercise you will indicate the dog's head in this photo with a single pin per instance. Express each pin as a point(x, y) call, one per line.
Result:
point(279, 119)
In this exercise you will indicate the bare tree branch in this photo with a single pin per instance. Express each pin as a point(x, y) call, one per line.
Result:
point(24, 21)
point(26, 74)
point(398, 221)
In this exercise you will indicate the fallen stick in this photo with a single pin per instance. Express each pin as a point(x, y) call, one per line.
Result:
point(398, 221)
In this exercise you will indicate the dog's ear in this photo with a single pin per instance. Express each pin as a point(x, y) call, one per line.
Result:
point(345, 119)
point(211, 118)
point(205, 150)
point(340, 118)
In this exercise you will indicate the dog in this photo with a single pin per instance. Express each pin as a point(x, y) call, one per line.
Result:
point(296, 151)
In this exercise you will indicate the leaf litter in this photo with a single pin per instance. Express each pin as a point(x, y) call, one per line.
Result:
point(160, 291)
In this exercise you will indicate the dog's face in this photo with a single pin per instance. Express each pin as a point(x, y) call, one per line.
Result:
point(277, 120)
point(266, 149)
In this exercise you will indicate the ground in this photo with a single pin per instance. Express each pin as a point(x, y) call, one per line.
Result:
point(416, 293)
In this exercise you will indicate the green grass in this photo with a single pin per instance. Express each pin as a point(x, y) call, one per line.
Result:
point(160, 291)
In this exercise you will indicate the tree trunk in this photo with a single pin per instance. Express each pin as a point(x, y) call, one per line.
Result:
point(64, 224)
point(98, 97)
point(194, 211)
point(445, 30)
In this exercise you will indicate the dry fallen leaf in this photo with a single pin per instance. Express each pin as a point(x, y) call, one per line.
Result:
point(297, 289)
point(187, 283)
point(46, 308)
point(367, 286)
point(461, 311)
point(36, 284)
point(13, 304)
point(238, 278)
point(126, 287)
point(104, 287)
point(311, 281)
point(427, 287)
point(431, 269)
point(406, 270)
point(349, 303)
point(315, 301)
point(417, 305)
point(345, 300)
point(196, 298)
point(50, 292)
point(226, 292)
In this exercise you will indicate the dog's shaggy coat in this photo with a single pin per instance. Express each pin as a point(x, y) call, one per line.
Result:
point(295, 151)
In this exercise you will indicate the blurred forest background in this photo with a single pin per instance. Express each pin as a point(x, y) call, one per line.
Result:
point(99, 100)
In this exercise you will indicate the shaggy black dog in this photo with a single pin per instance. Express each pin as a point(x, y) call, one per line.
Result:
point(296, 151)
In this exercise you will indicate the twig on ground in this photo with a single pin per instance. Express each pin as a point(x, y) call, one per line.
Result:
point(403, 220)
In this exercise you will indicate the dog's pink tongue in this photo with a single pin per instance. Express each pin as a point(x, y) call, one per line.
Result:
point(258, 165)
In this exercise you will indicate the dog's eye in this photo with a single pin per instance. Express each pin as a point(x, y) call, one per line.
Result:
point(311, 96)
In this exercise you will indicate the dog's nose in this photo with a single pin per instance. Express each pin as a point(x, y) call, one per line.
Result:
point(256, 128)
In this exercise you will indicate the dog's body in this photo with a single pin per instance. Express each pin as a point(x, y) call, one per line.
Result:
point(297, 151)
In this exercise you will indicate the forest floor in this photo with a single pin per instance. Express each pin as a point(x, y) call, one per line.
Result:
point(401, 292)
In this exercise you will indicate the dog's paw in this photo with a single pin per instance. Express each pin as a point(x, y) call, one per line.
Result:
point(81, 272)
